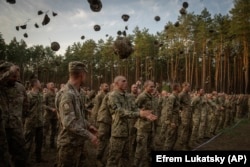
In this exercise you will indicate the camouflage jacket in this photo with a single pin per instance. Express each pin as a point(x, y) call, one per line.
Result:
point(172, 108)
point(74, 126)
point(17, 101)
point(121, 110)
point(49, 105)
point(34, 116)
point(198, 104)
point(97, 104)
point(145, 101)
point(4, 151)
point(185, 101)
point(104, 114)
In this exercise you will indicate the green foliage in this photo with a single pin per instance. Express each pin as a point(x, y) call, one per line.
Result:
point(188, 52)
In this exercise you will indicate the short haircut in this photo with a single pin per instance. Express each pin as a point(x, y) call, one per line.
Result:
point(33, 82)
point(146, 83)
point(175, 86)
point(118, 78)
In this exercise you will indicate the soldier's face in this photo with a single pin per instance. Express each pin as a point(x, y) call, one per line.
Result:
point(105, 87)
point(134, 89)
point(150, 87)
point(122, 84)
point(13, 78)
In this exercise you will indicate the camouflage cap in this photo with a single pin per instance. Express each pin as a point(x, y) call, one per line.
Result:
point(75, 66)
point(5, 69)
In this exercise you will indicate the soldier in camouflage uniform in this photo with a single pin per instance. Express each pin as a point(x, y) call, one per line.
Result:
point(132, 130)
point(186, 116)
point(239, 106)
point(144, 139)
point(17, 101)
point(33, 127)
point(228, 110)
point(121, 111)
point(198, 107)
point(75, 129)
point(172, 117)
point(203, 127)
point(104, 88)
point(50, 115)
point(215, 111)
point(221, 101)
point(162, 115)
point(4, 150)
point(104, 121)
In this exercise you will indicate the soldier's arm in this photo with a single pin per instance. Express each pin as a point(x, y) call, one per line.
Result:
point(116, 108)
point(139, 102)
point(213, 104)
point(45, 103)
point(25, 104)
point(69, 120)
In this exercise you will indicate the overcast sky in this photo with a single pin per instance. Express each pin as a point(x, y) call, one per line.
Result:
point(75, 18)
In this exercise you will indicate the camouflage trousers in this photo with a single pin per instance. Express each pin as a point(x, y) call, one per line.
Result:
point(170, 138)
point(221, 120)
point(16, 143)
point(233, 114)
point(50, 125)
point(228, 116)
point(203, 127)
point(144, 146)
point(186, 127)
point(239, 111)
point(214, 123)
point(132, 137)
point(118, 152)
point(31, 134)
point(104, 131)
point(69, 156)
point(196, 125)
point(162, 135)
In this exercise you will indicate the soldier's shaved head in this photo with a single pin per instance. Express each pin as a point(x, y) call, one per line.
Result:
point(120, 83)
point(118, 78)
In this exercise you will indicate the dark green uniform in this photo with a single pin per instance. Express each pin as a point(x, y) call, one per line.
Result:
point(186, 119)
point(121, 110)
point(145, 129)
point(33, 127)
point(171, 108)
point(50, 117)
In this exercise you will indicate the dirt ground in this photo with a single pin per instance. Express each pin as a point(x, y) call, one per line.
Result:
point(233, 138)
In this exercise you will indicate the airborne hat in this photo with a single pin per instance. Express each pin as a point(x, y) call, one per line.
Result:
point(75, 66)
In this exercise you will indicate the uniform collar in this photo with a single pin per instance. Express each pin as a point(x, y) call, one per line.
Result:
point(74, 88)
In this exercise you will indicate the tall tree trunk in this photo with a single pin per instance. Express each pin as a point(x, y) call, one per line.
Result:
point(246, 64)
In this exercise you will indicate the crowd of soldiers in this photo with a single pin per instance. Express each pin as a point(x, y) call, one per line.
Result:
point(123, 127)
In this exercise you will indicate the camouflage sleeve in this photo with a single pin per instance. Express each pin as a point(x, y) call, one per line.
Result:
point(194, 101)
point(25, 104)
point(170, 108)
point(69, 119)
point(213, 104)
point(45, 102)
point(139, 102)
point(116, 108)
